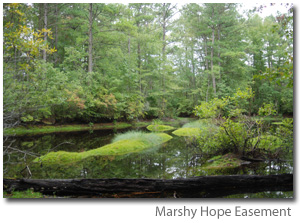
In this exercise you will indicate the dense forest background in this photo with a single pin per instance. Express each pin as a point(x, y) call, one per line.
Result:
point(98, 62)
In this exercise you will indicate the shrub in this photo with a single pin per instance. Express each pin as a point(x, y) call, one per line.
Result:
point(267, 110)
point(211, 109)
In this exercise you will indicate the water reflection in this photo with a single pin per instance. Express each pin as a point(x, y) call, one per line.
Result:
point(175, 159)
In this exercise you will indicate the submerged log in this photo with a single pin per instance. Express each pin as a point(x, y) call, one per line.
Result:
point(252, 159)
point(203, 186)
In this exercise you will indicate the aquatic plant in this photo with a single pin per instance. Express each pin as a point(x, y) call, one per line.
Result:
point(197, 128)
point(30, 130)
point(130, 142)
point(187, 132)
point(159, 128)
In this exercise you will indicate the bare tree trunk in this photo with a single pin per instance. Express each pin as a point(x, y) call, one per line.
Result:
point(56, 34)
point(194, 77)
point(140, 67)
point(206, 68)
point(211, 61)
point(164, 23)
point(90, 65)
point(46, 27)
point(219, 53)
point(129, 63)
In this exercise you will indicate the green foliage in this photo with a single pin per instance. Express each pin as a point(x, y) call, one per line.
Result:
point(234, 136)
point(285, 132)
point(233, 106)
point(136, 72)
point(242, 99)
point(267, 110)
point(267, 142)
point(27, 118)
point(211, 109)
point(20, 38)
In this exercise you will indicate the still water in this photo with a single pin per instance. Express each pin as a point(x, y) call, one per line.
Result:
point(175, 159)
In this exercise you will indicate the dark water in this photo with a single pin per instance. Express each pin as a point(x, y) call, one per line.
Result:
point(175, 159)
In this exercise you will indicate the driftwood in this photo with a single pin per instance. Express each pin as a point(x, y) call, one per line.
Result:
point(203, 186)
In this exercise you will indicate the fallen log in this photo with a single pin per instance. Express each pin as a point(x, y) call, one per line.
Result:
point(252, 159)
point(202, 186)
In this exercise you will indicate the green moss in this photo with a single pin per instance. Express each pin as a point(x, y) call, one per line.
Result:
point(226, 161)
point(188, 132)
point(196, 128)
point(159, 128)
point(277, 123)
point(62, 128)
point(137, 143)
point(23, 194)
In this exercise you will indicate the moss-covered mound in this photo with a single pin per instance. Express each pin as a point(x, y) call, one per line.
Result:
point(122, 144)
point(159, 128)
point(188, 132)
point(197, 128)
point(226, 161)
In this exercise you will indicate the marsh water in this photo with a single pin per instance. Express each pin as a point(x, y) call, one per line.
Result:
point(177, 158)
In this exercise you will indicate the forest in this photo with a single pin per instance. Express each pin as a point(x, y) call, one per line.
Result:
point(219, 77)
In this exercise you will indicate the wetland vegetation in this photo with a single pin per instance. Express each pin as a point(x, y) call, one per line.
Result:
point(158, 91)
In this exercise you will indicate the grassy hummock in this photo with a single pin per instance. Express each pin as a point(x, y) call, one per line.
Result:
point(188, 132)
point(129, 142)
point(159, 128)
point(197, 128)
point(39, 129)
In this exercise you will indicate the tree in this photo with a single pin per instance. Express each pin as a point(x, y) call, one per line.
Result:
point(115, 61)
point(45, 28)
point(90, 67)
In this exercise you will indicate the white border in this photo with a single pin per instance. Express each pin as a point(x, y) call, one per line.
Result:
point(139, 210)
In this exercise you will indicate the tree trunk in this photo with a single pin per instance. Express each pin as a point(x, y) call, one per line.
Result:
point(40, 22)
point(211, 61)
point(45, 27)
point(164, 24)
point(194, 78)
point(206, 67)
point(56, 34)
point(140, 67)
point(129, 65)
point(219, 53)
point(203, 186)
point(90, 65)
